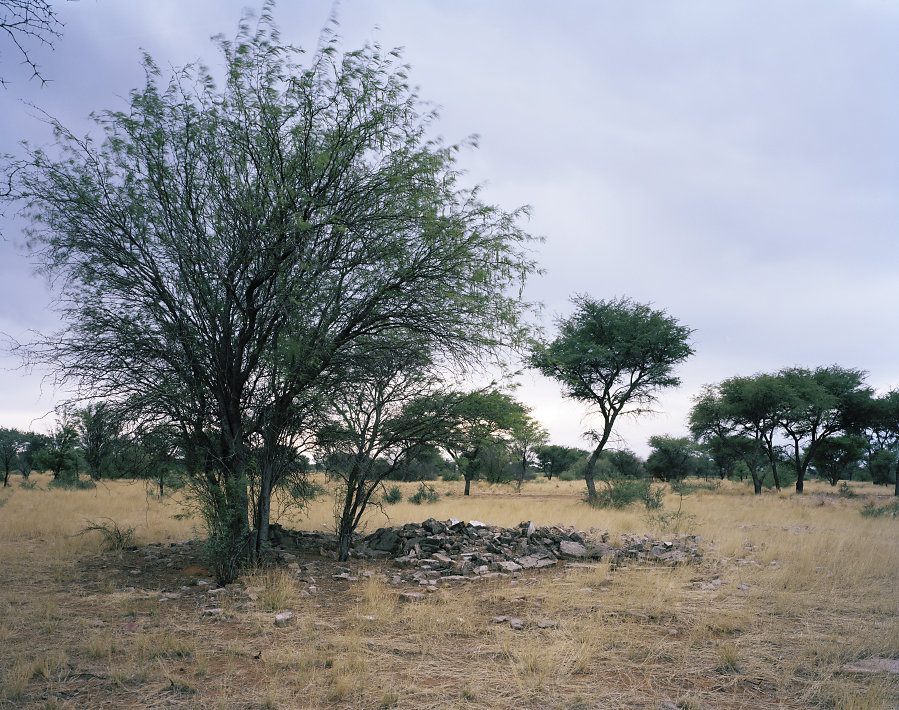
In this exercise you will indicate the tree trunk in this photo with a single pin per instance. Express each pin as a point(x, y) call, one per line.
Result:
point(799, 482)
point(588, 471)
point(756, 484)
point(263, 507)
point(467, 485)
point(591, 486)
point(774, 473)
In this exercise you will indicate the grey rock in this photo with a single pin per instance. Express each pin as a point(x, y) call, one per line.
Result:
point(412, 597)
point(875, 664)
point(572, 549)
point(516, 624)
point(285, 618)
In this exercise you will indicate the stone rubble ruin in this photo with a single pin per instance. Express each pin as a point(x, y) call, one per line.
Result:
point(450, 551)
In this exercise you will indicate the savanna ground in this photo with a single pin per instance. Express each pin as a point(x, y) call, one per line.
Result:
point(790, 590)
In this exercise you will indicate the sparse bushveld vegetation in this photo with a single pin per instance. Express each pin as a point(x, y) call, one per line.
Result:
point(275, 292)
point(790, 591)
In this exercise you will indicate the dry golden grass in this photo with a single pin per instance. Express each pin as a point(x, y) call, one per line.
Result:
point(790, 590)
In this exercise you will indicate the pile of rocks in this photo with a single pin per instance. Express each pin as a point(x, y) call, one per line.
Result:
point(454, 550)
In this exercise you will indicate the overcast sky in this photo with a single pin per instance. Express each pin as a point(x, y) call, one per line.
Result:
point(733, 163)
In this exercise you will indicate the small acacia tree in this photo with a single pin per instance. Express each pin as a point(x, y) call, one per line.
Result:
point(482, 427)
point(12, 442)
point(380, 417)
point(818, 404)
point(672, 458)
point(527, 435)
point(614, 356)
point(98, 432)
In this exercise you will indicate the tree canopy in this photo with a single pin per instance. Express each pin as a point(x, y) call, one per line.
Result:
point(614, 356)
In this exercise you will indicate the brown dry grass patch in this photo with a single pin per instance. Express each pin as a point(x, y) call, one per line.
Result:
point(790, 590)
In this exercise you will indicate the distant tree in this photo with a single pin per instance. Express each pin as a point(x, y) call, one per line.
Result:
point(527, 435)
point(425, 464)
point(31, 453)
point(747, 408)
point(625, 463)
point(60, 456)
point(818, 403)
point(671, 458)
point(23, 21)
point(881, 433)
point(479, 438)
point(614, 356)
point(837, 457)
point(12, 442)
point(554, 459)
point(98, 433)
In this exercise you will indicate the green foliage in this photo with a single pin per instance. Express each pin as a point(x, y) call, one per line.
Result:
point(845, 491)
point(98, 431)
point(872, 510)
point(622, 492)
point(838, 457)
point(571, 474)
point(69, 480)
point(554, 459)
point(424, 494)
point(685, 488)
point(392, 495)
point(615, 356)
point(882, 466)
point(12, 441)
point(225, 253)
point(672, 458)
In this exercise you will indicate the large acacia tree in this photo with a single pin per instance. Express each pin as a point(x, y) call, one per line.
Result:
point(222, 248)
point(614, 356)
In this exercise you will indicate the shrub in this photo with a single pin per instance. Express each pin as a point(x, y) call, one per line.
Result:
point(621, 492)
point(451, 475)
point(71, 482)
point(683, 488)
point(392, 495)
point(871, 510)
point(846, 491)
point(424, 494)
point(114, 537)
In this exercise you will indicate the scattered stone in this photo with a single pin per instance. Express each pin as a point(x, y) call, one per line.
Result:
point(217, 611)
point(285, 618)
point(500, 619)
point(516, 624)
point(547, 624)
point(98, 624)
point(572, 549)
point(452, 550)
point(412, 597)
point(131, 626)
point(875, 664)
